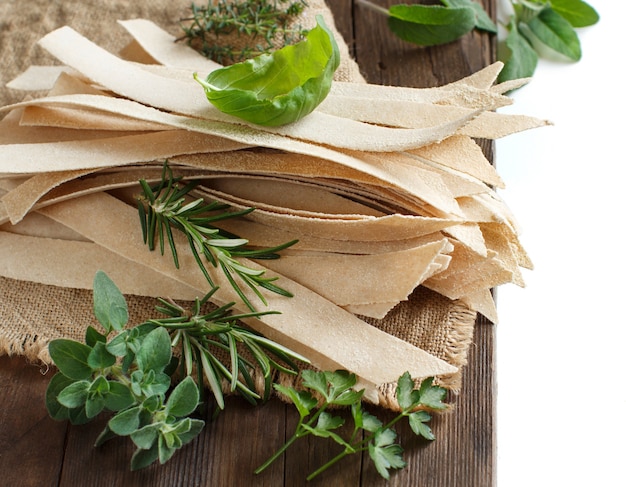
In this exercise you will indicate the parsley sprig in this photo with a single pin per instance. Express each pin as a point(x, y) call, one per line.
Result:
point(338, 389)
point(165, 207)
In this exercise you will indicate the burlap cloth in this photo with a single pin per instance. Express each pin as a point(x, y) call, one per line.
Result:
point(32, 314)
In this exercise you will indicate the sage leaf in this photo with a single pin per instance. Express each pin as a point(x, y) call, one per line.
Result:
point(576, 12)
point(553, 31)
point(430, 25)
point(521, 60)
point(280, 87)
point(109, 304)
point(71, 358)
point(483, 21)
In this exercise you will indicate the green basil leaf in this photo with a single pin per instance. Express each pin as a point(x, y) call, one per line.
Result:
point(430, 25)
point(483, 21)
point(109, 304)
point(71, 358)
point(521, 60)
point(277, 88)
point(553, 31)
point(576, 12)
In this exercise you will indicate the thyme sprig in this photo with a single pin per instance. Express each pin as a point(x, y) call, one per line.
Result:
point(265, 21)
point(199, 333)
point(166, 206)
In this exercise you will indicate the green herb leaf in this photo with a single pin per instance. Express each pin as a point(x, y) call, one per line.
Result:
point(75, 394)
point(430, 25)
point(521, 60)
point(155, 352)
point(302, 400)
point(100, 358)
point(93, 336)
point(384, 453)
point(144, 458)
point(551, 30)
point(405, 394)
point(146, 436)
point(71, 358)
point(277, 88)
point(55, 409)
point(432, 396)
point(126, 422)
point(417, 421)
point(576, 12)
point(184, 398)
point(109, 304)
point(119, 397)
point(483, 21)
point(195, 427)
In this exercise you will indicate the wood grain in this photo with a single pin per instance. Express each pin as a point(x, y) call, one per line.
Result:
point(37, 451)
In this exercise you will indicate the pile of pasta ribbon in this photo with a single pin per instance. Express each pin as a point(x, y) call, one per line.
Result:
point(384, 188)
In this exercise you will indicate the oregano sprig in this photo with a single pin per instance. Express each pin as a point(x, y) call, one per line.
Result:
point(94, 378)
point(128, 371)
point(165, 207)
point(337, 389)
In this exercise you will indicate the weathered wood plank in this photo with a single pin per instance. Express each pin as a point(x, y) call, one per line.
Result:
point(31, 443)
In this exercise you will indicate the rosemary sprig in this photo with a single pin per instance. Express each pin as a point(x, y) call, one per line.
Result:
point(166, 206)
point(264, 20)
point(197, 333)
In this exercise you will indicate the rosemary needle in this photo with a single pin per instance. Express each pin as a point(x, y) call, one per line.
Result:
point(165, 207)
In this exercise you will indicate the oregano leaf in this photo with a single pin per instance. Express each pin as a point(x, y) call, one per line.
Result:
point(71, 358)
point(100, 358)
point(155, 352)
point(109, 304)
point(184, 398)
point(74, 395)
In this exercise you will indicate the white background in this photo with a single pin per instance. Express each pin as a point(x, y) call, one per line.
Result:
point(561, 340)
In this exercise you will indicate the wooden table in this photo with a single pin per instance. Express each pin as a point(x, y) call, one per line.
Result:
point(37, 451)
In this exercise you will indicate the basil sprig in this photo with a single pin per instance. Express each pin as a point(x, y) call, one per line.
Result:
point(280, 87)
